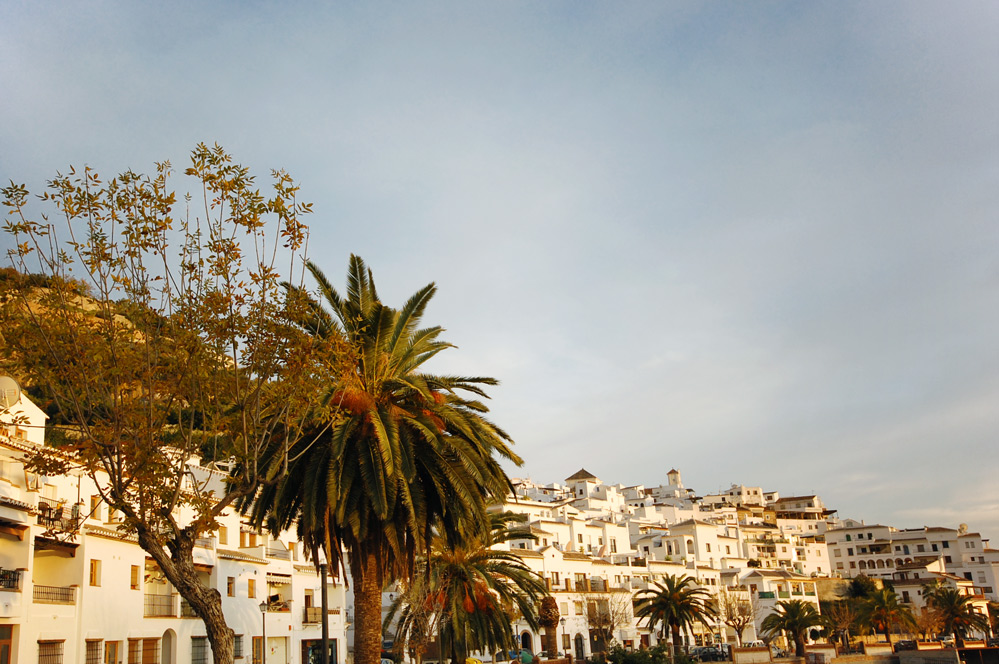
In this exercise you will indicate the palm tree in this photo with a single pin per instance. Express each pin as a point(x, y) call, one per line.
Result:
point(881, 611)
point(794, 618)
point(677, 603)
point(956, 613)
point(468, 593)
point(399, 456)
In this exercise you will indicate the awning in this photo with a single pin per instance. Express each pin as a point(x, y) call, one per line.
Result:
point(278, 579)
point(14, 528)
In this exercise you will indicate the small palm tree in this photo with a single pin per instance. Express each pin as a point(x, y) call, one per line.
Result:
point(956, 613)
point(793, 618)
point(467, 594)
point(882, 611)
point(677, 603)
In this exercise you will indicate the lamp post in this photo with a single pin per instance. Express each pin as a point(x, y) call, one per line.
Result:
point(561, 621)
point(263, 632)
point(324, 604)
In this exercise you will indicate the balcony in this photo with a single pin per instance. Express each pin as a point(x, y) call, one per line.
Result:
point(766, 594)
point(53, 515)
point(53, 594)
point(279, 606)
point(159, 606)
point(783, 594)
point(278, 552)
point(10, 579)
point(205, 542)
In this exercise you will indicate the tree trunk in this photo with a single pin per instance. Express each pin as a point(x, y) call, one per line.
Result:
point(677, 644)
point(364, 569)
point(552, 641)
point(178, 568)
point(799, 645)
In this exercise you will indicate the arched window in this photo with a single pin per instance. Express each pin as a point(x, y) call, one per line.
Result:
point(690, 546)
point(862, 564)
point(881, 564)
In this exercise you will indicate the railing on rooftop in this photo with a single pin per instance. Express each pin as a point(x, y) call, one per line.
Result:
point(205, 542)
point(53, 594)
point(10, 579)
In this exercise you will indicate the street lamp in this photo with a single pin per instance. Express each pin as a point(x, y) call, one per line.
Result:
point(263, 632)
point(561, 621)
point(326, 627)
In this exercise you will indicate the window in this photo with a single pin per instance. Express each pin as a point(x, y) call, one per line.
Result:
point(251, 587)
point(258, 649)
point(555, 578)
point(847, 538)
point(564, 608)
point(50, 652)
point(199, 650)
point(135, 651)
point(613, 543)
point(134, 581)
point(95, 507)
point(853, 565)
point(95, 572)
point(577, 607)
point(849, 552)
point(579, 538)
point(946, 545)
point(947, 559)
point(94, 651)
point(967, 575)
point(150, 651)
point(836, 553)
point(920, 548)
point(905, 595)
point(565, 641)
point(237, 646)
point(707, 547)
point(112, 652)
point(728, 550)
point(230, 586)
point(934, 546)
point(839, 565)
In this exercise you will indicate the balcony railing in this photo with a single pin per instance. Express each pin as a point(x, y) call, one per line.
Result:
point(282, 606)
point(783, 594)
point(159, 606)
point(312, 614)
point(54, 516)
point(278, 552)
point(766, 594)
point(186, 610)
point(10, 579)
point(205, 542)
point(53, 594)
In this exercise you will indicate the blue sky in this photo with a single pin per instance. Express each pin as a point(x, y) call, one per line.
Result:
point(758, 242)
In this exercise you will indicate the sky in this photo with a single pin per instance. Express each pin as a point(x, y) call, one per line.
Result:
point(757, 242)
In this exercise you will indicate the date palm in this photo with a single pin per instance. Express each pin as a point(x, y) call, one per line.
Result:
point(467, 594)
point(794, 618)
point(956, 613)
point(677, 603)
point(882, 611)
point(399, 456)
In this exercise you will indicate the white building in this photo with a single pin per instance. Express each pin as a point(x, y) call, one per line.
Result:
point(75, 590)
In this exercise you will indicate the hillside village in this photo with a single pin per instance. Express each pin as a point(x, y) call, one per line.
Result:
point(595, 545)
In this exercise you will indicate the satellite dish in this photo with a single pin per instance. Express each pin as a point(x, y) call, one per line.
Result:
point(10, 392)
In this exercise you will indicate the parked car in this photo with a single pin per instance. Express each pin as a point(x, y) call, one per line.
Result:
point(904, 645)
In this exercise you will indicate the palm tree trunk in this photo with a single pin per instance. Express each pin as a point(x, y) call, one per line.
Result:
point(675, 629)
point(367, 607)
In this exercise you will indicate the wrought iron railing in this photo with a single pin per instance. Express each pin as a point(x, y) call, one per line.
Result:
point(159, 606)
point(10, 579)
point(312, 614)
point(278, 552)
point(53, 594)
